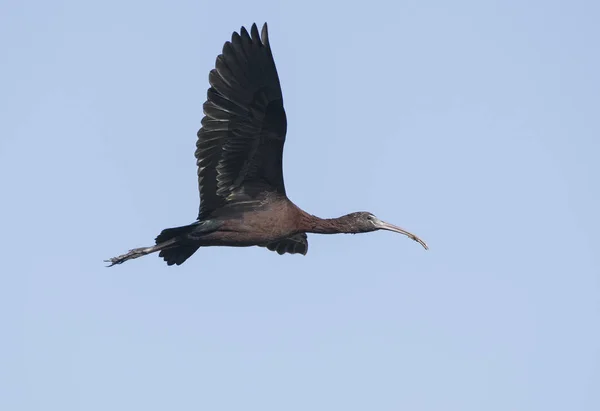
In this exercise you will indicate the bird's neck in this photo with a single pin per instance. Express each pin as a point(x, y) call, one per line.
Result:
point(314, 224)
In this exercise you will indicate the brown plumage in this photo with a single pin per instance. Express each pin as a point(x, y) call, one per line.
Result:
point(239, 156)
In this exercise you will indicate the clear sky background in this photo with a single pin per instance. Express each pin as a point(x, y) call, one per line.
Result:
point(475, 124)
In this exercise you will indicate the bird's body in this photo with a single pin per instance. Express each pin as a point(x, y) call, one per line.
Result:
point(269, 219)
point(239, 157)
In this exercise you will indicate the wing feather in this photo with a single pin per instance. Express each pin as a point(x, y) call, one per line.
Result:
point(244, 126)
point(297, 244)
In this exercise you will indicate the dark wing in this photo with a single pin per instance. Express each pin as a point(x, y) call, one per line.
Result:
point(297, 244)
point(243, 130)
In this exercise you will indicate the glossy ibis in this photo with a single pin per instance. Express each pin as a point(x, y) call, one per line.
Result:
point(239, 157)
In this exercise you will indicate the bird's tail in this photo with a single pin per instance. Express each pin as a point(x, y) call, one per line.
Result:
point(176, 254)
point(168, 242)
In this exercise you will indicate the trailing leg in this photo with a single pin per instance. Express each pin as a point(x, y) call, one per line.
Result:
point(139, 252)
point(175, 244)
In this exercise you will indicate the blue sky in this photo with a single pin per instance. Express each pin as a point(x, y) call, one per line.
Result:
point(473, 124)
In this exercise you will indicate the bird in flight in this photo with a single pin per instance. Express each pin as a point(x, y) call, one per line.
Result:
point(239, 153)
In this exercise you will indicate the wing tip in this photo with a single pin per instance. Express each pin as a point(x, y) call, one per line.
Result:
point(253, 35)
point(265, 34)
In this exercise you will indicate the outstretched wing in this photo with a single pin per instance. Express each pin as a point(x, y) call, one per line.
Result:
point(297, 244)
point(243, 130)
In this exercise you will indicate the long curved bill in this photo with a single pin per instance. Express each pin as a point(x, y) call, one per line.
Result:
point(390, 227)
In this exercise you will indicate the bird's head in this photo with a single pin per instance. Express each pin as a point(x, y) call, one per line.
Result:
point(364, 222)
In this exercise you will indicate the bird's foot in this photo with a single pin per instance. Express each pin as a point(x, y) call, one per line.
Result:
point(135, 253)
